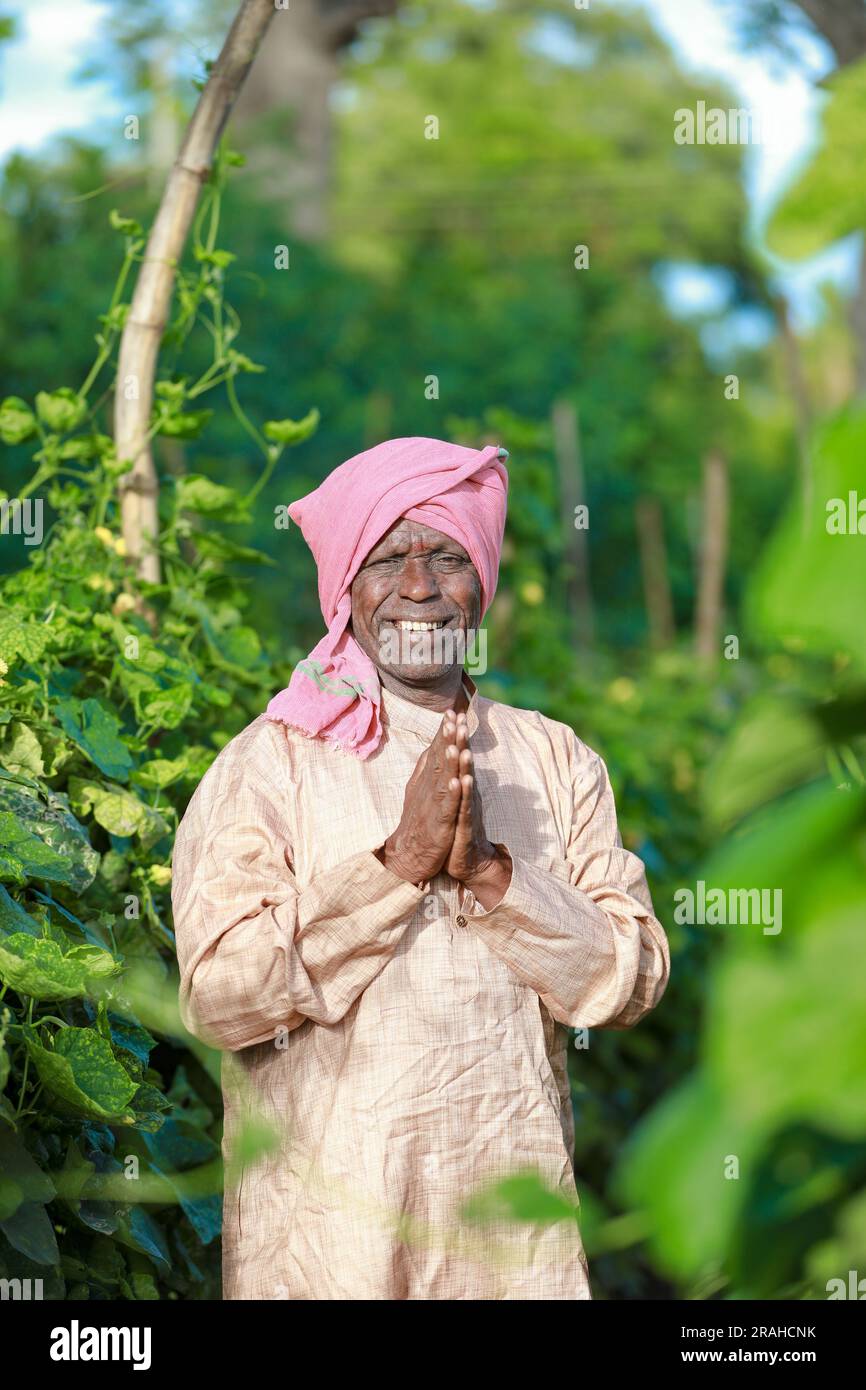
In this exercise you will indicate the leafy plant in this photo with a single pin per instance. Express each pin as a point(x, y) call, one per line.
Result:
point(779, 1083)
point(115, 696)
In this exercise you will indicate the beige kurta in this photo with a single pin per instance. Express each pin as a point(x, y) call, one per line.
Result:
point(407, 1047)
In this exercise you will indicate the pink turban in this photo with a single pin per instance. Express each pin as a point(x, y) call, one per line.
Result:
point(335, 693)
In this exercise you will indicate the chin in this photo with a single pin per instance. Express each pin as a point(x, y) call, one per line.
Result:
point(419, 675)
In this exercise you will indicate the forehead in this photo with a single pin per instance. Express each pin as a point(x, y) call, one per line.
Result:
point(405, 536)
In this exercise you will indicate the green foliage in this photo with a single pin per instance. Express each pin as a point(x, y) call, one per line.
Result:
point(779, 1088)
point(826, 201)
point(453, 257)
point(114, 699)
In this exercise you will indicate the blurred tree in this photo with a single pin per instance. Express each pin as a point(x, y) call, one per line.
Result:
point(393, 328)
point(286, 106)
point(510, 128)
point(780, 22)
point(284, 110)
point(713, 558)
point(777, 25)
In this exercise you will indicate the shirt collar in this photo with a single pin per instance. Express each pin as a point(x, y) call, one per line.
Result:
point(404, 714)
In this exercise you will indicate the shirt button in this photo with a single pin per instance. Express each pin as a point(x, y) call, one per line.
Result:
point(460, 920)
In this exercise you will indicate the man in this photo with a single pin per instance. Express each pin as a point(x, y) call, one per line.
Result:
point(392, 897)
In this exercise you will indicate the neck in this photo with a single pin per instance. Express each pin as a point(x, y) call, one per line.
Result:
point(447, 693)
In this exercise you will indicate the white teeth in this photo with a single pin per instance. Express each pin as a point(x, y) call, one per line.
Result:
point(419, 627)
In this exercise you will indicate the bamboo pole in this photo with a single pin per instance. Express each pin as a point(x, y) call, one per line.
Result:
point(142, 333)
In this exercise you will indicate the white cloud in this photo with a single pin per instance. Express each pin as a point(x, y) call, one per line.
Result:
point(40, 95)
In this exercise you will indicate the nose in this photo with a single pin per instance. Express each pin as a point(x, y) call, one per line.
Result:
point(417, 582)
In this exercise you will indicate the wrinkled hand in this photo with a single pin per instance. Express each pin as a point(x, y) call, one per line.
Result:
point(419, 846)
point(471, 852)
point(442, 825)
point(482, 867)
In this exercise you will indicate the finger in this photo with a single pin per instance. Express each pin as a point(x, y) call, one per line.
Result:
point(466, 784)
point(453, 797)
point(463, 817)
point(446, 731)
point(452, 760)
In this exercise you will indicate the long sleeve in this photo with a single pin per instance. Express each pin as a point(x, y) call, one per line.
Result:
point(582, 933)
point(256, 954)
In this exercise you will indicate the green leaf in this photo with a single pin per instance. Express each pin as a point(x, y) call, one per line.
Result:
point(291, 431)
point(127, 225)
point(132, 1037)
point(774, 746)
point(117, 810)
point(196, 493)
point(180, 1144)
point(219, 547)
point(827, 201)
point(86, 446)
point(241, 363)
point(76, 1173)
point(5, 1064)
point(150, 1107)
point(21, 751)
point(25, 855)
point(183, 425)
point(172, 391)
point(168, 708)
point(17, 421)
point(215, 695)
point(114, 870)
point(114, 320)
point(24, 1190)
point(519, 1197)
point(761, 1006)
point(97, 734)
point(18, 1165)
point(144, 1285)
point(22, 637)
point(41, 839)
point(810, 581)
point(13, 918)
point(115, 467)
point(215, 257)
point(61, 410)
point(138, 1230)
point(82, 1071)
point(675, 1156)
point(39, 969)
point(160, 773)
point(30, 1231)
point(239, 645)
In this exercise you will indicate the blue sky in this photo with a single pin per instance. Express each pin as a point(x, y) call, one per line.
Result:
point(41, 98)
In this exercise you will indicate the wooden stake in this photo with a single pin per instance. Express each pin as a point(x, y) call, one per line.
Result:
point(142, 334)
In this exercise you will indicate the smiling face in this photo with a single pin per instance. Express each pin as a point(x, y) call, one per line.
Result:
point(416, 602)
